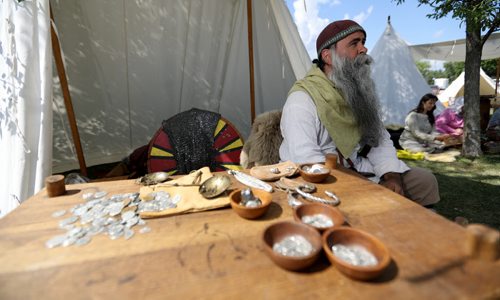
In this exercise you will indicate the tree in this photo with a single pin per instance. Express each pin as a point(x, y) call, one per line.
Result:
point(453, 69)
point(490, 67)
point(479, 16)
point(424, 67)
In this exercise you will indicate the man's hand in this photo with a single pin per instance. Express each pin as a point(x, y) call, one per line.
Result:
point(393, 182)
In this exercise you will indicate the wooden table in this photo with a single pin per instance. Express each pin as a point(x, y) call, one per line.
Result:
point(217, 254)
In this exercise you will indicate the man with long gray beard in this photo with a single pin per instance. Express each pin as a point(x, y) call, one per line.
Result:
point(334, 109)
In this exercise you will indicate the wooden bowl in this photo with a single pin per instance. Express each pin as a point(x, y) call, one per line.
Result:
point(278, 231)
point(317, 208)
point(314, 177)
point(350, 236)
point(250, 212)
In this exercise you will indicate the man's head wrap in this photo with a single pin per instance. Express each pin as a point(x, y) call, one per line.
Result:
point(334, 32)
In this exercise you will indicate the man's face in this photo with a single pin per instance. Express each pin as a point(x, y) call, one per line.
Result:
point(352, 45)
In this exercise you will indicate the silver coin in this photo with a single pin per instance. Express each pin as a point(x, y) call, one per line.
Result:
point(76, 232)
point(293, 245)
point(128, 233)
point(55, 241)
point(80, 211)
point(177, 198)
point(88, 196)
point(68, 221)
point(58, 213)
point(144, 229)
point(100, 194)
point(133, 221)
point(318, 220)
point(127, 215)
point(274, 170)
point(115, 208)
point(87, 218)
point(355, 255)
point(94, 230)
point(84, 240)
point(70, 240)
point(251, 203)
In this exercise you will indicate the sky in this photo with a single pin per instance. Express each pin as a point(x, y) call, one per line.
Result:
point(408, 20)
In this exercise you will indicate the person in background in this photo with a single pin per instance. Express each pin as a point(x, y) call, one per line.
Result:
point(493, 129)
point(335, 109)
point(492, 144)
point(419, 134)
point(451, 122)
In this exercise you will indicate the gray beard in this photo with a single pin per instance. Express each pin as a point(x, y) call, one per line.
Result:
point(353, 78)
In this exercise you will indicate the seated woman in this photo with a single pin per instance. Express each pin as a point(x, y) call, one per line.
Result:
point(419, 134)
point(451, 120)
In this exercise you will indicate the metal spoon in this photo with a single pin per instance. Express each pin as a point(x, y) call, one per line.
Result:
point(153, 178)
point(214, 186)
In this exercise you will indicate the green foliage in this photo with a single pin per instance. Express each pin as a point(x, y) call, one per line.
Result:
point(490, 67)
point(424, 68)
point(453, 69)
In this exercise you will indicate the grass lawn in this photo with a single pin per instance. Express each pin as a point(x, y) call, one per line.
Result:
point(469, 188)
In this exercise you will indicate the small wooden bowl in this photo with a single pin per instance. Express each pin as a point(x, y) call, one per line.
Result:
point(278, 231)
point(317, 208)
point(350, 236)
point(313, 177)
point(250, 212)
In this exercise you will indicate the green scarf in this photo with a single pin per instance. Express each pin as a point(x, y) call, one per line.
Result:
point(333, 111)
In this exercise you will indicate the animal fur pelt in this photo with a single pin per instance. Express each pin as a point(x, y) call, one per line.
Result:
point(262, 146)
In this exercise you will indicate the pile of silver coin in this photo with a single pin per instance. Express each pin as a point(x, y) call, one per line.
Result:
point(114, 216)
point(355, 255)
point(315, 169)
point(248, 199)
point(317, 220)
point(293, 245)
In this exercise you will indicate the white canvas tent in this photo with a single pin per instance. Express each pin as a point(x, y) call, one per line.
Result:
point(456, 88)
point(25, 100)
point(398, 82)
point(455, 50)
point(130, 65)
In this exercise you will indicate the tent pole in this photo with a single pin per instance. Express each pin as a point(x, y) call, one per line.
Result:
point(56, 49)
point(250, 59)
point(498, 75)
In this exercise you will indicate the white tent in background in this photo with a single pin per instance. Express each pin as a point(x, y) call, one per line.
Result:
point(398, 82)
point(456, 88)
point(455, 50)
point(130, 65)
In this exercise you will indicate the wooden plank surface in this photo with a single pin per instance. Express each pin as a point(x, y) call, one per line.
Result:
point(217, 254)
